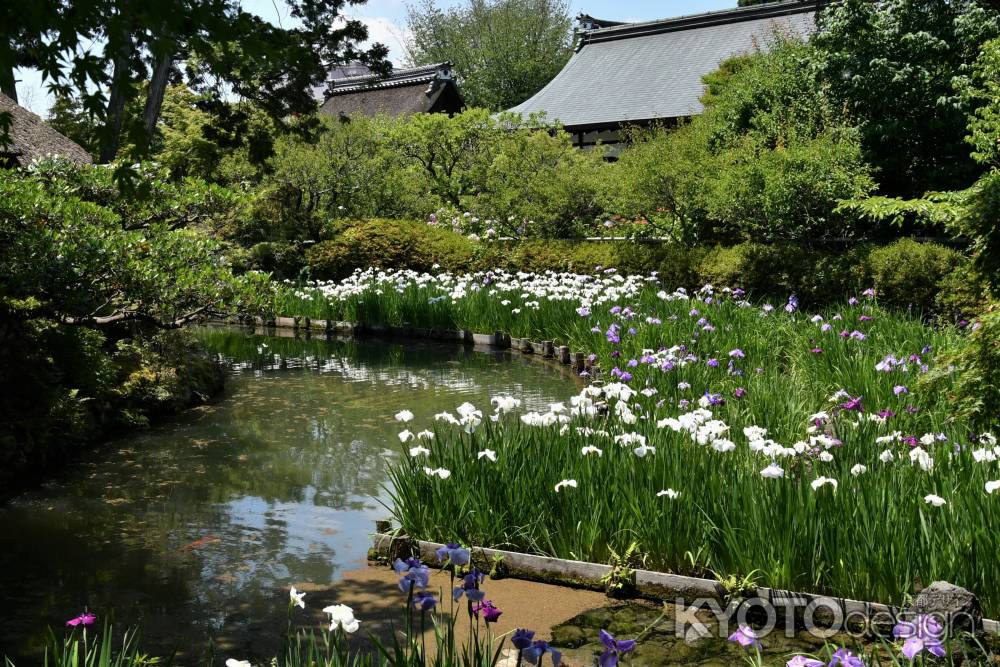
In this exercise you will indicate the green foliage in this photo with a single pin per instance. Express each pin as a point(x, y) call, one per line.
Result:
point(454, 153)
point(899, 69)
point(89, 277)
point(767, 160)
point(984, 95)
point(388, 244)
point(908, 274)
point(504, 51)
point(68, 117)
point(559, 199)
point(352, 170)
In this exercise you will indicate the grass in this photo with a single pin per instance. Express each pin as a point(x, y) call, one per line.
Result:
point(874, 537)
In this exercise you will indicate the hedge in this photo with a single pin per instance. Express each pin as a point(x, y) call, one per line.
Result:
point(907, 274)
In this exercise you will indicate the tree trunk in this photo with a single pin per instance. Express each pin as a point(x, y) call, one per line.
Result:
point(157, 88)
point(116, 100)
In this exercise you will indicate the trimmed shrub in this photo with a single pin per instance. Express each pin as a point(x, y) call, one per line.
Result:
point(909, 274)
point(389, 244)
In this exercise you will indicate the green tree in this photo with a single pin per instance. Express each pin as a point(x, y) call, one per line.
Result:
point(898, 68)
point(67, 116)
point(504, 51)
point(768, 159)
point(145, 44)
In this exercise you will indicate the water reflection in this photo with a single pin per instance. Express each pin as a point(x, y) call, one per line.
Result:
point(198, 526)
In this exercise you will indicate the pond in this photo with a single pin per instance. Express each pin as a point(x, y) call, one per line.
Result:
point(195, 528)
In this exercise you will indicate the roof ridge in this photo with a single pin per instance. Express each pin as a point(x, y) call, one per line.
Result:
point(701, 20)
point(396, 73)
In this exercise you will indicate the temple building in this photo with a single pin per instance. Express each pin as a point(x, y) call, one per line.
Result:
point(626, 74)
point(428, 89)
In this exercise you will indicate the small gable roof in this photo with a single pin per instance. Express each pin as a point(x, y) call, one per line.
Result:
point(426, 89)
point(31, 138)
point(636, 72)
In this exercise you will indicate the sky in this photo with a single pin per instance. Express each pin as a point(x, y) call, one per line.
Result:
point(386, 21)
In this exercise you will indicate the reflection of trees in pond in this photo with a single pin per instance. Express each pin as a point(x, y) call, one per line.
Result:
point(197, 527)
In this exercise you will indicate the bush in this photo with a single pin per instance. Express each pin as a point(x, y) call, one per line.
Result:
point(767, 161)
point(388, 244)
point(908, 274)
point(538, 181)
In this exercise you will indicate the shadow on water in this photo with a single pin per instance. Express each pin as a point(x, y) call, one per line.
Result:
point(195, 528)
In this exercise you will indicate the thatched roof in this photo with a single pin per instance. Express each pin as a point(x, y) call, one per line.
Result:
point(429, 89)
point(31, 137)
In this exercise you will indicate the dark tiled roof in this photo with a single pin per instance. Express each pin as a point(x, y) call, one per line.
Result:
point(31, 138)
point(647, 71)
point(406, 91)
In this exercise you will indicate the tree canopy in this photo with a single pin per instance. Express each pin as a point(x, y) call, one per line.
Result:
point(504, 51)
point(220, 49)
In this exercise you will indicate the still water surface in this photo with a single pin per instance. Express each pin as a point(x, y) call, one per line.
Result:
point(196, 527)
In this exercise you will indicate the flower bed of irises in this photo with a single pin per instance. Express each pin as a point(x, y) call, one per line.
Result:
point(803, 448)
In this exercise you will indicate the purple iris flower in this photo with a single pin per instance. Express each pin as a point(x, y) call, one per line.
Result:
point(899, 390)
point(592, 358)
point(792, 305)
point(616, 309)
point(616, 372)
point(414, 574)
point(615, 354)
point(846, 658)
point(853, 301)
point(470, 586)
point(614, 648)
point(826, 327)
point(737, 354)
point(740, 392)
point(910, 410)
point(745, 636)
point(631, 331)
point(626, 377)
point(424, 600)
point(924, 633)
point(886, 414)
point(857, 335)
point(817, 350)
point(583, 311)
point(927, 349)
point(865, 318)
point(739, 293)
point(910, 441)
point(521, 639)
point(853, 404)
point(533, 654)
point(713, 363)
point(86, 620)
point(715, 399)
point(612, 334)
point(870, 293)
point(453, 553)
point(489, 612)
point(632, 363)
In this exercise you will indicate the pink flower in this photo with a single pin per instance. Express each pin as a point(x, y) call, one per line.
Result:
point(86, 620)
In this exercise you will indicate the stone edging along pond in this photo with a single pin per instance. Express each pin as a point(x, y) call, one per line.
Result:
point(643, 583)
point(545, 351)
